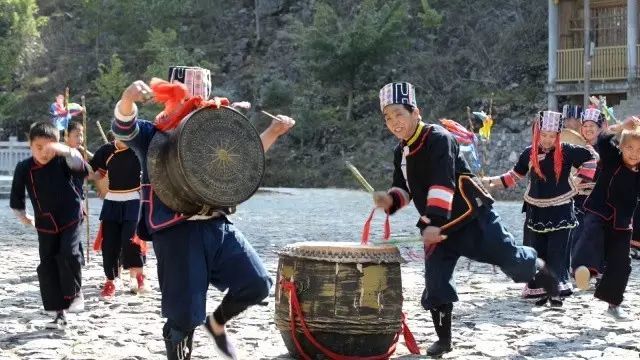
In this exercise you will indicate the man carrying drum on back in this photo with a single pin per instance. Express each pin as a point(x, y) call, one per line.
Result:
point(193, 251)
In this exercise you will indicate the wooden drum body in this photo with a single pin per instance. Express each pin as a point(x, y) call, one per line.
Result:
point(350, 296)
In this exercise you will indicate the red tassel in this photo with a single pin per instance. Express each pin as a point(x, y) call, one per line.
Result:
point(409, 339)
point(172, 95)
point(177, 103)
point(141, 243)
point(535, 144)
point(366, 230)
point(97, 243)
point(557, 158)
point(168, 120)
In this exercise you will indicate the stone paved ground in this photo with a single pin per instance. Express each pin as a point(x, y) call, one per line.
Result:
point(490, 321)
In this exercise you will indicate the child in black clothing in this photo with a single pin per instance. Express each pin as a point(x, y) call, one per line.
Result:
point(609, 215)
point(49, 176)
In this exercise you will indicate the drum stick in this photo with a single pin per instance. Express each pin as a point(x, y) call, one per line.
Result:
point(401, 241)
point(86, 182)
point(66, 108)
point(104, 136)
point(271, 116)
point(365, 184)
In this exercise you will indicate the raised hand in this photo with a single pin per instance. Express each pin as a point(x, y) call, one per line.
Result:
point(382, 200)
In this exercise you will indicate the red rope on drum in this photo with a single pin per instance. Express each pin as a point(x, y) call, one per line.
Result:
point(295, 311)
point(177, 103)
point(366, 230)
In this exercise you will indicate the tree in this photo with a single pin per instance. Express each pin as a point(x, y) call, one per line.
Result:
point(429, 16)
point(163, 50)
point(340, 49)
point(19, 25)
point(112, 80)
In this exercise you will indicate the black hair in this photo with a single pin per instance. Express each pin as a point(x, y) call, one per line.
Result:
point(408, 107)
point(44, 129)
point(74, 125)
point(111, 136)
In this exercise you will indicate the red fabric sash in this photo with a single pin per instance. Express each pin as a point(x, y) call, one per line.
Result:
point(178, 104)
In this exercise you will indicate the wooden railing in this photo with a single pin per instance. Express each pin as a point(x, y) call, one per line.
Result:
point(12, 152)
point(608, 63)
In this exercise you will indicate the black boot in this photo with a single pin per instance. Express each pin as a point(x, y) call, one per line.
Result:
point(442, 324)
point(547, 279)
point(542, 301)
point(178, 344)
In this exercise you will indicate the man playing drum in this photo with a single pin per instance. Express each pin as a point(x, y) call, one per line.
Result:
point(457, 218)
point(194, 251)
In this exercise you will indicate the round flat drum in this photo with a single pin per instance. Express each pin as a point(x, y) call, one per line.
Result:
point(213, 159)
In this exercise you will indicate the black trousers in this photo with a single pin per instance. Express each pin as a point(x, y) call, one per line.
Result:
point(615, 248)
point(588, 248)
point(616, 273)
point(60, 268)
point(118, 247)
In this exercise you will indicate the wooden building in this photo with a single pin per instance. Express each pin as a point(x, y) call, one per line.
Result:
point(614, 52)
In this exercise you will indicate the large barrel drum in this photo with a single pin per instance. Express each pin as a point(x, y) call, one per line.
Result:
point(213, 159)
point(350, 295)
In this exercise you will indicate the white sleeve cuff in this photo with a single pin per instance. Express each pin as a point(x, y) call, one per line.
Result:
point(123, 118)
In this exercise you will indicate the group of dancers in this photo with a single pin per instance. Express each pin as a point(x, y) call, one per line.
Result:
point(192, 251)
point(593, 188)
point(579, 205)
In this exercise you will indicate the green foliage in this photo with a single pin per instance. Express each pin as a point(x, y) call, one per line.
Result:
point(19, 24)
point(277, 94)
point(320, 62)
point(429, 16)
point(339, 51)
point(112, 80)
point(8, 103)
point(163, 50)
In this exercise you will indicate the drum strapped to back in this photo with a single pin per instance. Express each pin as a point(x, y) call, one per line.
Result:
point(213, 160)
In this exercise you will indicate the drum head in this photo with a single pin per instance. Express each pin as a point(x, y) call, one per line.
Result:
point(572, 137)
point(343, 252)
point(221, 156)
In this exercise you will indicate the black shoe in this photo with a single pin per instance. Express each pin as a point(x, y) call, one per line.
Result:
point(548, 280)
point(442, 325)
point(59, 323)
point(542, 302)
point(225, 346)
point(556, 302)
point(439, 348)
